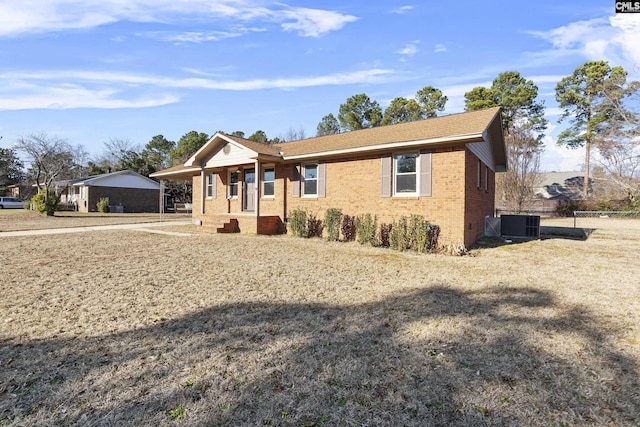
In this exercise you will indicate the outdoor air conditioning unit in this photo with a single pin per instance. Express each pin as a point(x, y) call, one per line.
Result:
point(522, 226)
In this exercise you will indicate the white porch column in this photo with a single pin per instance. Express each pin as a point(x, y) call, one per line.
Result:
point(258, 187)
point(203, 189)
point(161, 201)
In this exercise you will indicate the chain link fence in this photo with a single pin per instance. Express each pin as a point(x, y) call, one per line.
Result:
point(606, 214)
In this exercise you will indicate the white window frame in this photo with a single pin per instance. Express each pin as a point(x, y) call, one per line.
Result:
point(264, 181)
point(416, 173)
point(82, 192)
point(230, 185)
point(303, 179)
point(211, 181)
point(479, 183)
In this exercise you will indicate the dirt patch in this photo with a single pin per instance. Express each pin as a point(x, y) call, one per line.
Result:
point(122, 327)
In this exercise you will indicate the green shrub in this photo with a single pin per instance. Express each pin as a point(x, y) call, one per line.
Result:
point(567, 207)
point(40, 205)
point(399, 238)
point(603, 205)
point(332, 219)
point(419, 234)
point(297, 223)
point(314, 226)
point(631, 205)
point(366, 228)
point(414, 233)
point(383, 235)
point(103, 205)
point(348, 228)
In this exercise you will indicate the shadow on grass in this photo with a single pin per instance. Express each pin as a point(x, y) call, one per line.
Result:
point(432, 356)
point(578, 233)
point(546, 232)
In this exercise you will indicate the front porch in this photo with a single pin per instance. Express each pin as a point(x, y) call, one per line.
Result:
point(247, 223)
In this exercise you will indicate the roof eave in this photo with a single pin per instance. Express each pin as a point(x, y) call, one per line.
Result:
point(186, 173)
point(494, 135)
point(433, 142)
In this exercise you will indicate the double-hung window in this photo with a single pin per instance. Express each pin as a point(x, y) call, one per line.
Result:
point(268, 182)
point(405, 177)
point(310, 180)
point(233, 185)
point(210, 183)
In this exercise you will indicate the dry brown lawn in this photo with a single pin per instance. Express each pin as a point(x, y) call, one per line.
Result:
point(20, 219)
point(129, 328)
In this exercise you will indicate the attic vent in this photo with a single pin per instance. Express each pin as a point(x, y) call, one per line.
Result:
point(226, 149)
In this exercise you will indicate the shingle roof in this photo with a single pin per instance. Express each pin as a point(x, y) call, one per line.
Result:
point(446, 128)
point(454, 125)
point(258, 147)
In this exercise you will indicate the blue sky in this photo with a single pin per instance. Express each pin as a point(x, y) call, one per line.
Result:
point(89, 71)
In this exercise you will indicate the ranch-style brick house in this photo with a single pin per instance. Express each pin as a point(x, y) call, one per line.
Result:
point(126, 191)
point(443, 168)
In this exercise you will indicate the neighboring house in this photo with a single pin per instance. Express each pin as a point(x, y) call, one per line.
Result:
point(22, 191)
point(127, 191)
point(561, 186)
point(552, 190)
point(442, 168)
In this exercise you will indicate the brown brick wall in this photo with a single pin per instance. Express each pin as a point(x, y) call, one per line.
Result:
point(353, 185)
point(133, 199)
point(479, 202)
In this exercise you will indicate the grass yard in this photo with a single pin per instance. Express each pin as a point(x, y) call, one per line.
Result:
point(20, 219)
point(129, 328)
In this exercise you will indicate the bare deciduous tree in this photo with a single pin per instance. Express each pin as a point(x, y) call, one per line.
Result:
point(52, 159)
point(294, 134)
point(518, 184)
point(619, 143)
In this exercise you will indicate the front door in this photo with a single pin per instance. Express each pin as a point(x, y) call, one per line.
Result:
point(249, 187)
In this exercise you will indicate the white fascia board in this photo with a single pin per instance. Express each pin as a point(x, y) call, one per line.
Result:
point(193, 158)
point(476, 137)
point(178, 172)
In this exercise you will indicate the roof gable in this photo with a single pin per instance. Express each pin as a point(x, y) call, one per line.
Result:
point(120, 179)
point(213, 152)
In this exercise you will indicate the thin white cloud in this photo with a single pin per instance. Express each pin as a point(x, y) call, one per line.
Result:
point(314, 22)
point(440, 48)
point(189, 37)
point(613, 39)
point(402, 10)
point(64, 97)
point(409, 50)
point(51, 89)
point(42, 16)
point(546, 79)
point(559, 158)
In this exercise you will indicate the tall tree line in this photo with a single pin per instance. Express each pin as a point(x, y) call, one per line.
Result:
point(361, 112)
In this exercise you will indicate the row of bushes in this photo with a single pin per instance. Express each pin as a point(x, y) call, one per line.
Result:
point(567, 207)
point(408, 233)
